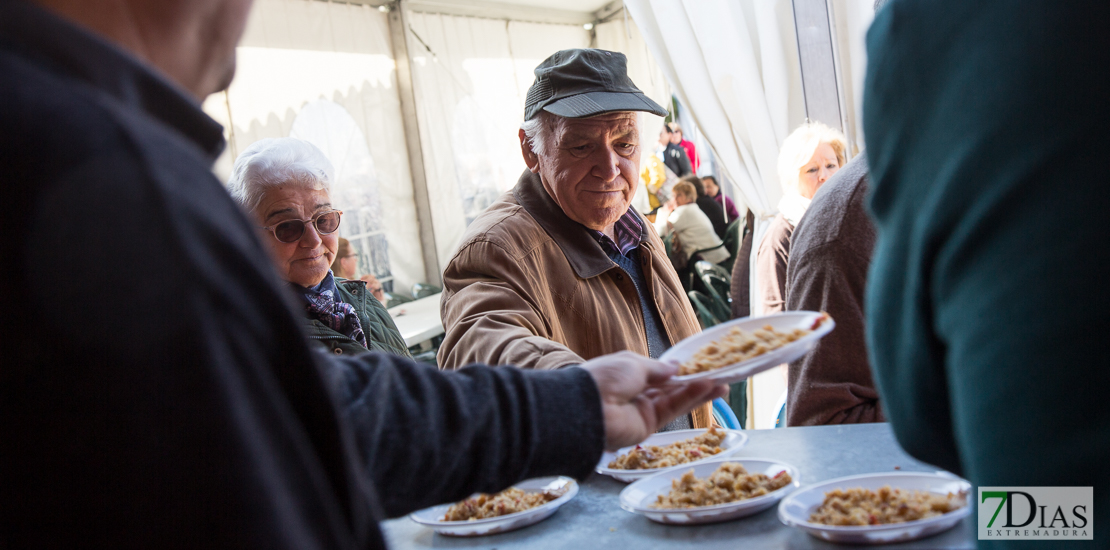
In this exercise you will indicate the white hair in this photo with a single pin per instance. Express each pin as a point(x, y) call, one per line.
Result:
point(277, 161)
point(538, 132)
point(798, 148)
point(541, 130)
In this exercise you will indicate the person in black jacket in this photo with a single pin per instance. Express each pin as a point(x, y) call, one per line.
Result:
point(157, 389)
point(674, 157)
point(710, 207)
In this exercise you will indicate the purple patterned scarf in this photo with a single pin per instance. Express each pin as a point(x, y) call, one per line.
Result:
point(322, 304)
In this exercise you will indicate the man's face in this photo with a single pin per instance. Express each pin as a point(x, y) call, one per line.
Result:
point(217, 41)
point(591, 166)
point(676, 137)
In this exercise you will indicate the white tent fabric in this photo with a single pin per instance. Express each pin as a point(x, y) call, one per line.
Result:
point(734, 65)
point(325, 72)
point(470, 76)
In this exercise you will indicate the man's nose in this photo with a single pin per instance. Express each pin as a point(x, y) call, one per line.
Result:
point(607, 166)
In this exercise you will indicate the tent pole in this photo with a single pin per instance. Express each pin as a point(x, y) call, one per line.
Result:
point(398, 25)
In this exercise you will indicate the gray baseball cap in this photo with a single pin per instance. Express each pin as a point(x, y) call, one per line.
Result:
point(585, 82)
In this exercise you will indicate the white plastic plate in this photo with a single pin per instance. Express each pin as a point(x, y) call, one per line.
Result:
point(795, 510)
point(734, 439)
point(639, 496)
point(684, 350)
point(433, 517)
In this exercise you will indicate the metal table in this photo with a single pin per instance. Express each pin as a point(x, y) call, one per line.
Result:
point(418, 320)
point(594, 519)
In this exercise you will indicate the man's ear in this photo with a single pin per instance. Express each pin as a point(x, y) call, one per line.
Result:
point(530, 159)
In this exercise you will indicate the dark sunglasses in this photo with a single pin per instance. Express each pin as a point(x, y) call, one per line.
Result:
point(291, 231)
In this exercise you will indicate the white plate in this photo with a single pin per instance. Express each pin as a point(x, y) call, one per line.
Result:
point(790, 320)
point(795, 510)
point(639, 496)
point(433, 517)
point(734, 439)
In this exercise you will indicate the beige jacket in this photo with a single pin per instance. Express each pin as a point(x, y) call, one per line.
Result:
point(530, 287)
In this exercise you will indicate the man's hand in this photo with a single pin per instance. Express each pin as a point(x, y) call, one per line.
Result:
point(634, 400)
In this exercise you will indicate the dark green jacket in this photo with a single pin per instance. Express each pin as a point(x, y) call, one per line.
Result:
point(381, 332)
point(988, 306)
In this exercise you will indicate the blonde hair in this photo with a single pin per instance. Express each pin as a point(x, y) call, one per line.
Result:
point(799, 147)
point(686, 189)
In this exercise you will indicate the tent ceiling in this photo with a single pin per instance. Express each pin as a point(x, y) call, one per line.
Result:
point(573, 12)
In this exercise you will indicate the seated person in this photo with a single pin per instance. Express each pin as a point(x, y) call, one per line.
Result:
point(713, 191)
point(283, 183)
point(810, 155)
point(830, 253)
point(560, 270)
point(712, 209)
point(690, 225)
point(345, 266)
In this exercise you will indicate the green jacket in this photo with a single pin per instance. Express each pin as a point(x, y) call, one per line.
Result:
point(381, 332)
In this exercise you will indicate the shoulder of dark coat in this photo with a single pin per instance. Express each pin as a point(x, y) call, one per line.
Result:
point(838, 212)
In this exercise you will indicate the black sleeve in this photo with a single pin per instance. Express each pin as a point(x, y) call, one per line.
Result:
point(431, 436)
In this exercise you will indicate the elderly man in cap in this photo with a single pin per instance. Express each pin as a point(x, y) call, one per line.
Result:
point(560, 270)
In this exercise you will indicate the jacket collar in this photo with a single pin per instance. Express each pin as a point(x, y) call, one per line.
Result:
point(71, 51)
point(582, 251)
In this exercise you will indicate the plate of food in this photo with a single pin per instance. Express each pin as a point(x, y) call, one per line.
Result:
point(711, 491)
point(663, 451)
point(878, 508)
point(732, 351)
point(521, 505)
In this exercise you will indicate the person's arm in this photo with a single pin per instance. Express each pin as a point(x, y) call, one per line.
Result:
point(832, 383)
point(430, 437)
point(492, 315)
point(730, 208)
point(770, 270)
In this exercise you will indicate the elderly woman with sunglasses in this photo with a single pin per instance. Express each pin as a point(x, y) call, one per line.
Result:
point(283, 184)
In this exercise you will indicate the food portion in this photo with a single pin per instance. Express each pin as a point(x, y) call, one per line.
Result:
point(665, 456)
point(729, 483)
point(740, 345)
point(866, 507)
point(509, 501)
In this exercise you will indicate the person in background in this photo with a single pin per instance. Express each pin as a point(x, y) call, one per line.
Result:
point(284, 183)
point(685, 144)
point(710, 207)
point(740, 287)
point(830, 252)
point(172, 400)
point(713, 191)
point(690, 225)
point(560, 269)
point(345, 266)
point(809, 156)
point(654, 177)
point(673, 156)
point(987, 302)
